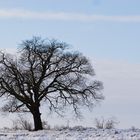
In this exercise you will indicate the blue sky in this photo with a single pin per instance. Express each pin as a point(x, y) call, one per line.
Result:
point(116, 37)
point(107, 31)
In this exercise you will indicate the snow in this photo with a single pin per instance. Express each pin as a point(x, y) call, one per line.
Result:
point(77, 133)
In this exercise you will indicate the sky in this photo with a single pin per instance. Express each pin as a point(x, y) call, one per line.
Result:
point(106, 31)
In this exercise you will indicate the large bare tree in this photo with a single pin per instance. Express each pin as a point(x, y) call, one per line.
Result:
point(46, 71)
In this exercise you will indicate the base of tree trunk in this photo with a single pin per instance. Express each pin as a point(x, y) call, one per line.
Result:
point(37, 120)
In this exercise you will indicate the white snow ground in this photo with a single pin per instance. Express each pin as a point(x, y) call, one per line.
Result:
point(77, 133)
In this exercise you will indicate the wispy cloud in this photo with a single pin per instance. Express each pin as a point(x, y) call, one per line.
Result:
point(63, 16)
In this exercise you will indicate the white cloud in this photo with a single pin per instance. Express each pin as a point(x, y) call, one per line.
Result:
point(63, 16)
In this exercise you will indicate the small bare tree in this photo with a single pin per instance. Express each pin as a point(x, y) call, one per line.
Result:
point(45, 70)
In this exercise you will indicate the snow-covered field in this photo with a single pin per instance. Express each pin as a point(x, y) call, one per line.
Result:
point(76, 133)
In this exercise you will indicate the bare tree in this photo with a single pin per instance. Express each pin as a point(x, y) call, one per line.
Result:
point(44, 70)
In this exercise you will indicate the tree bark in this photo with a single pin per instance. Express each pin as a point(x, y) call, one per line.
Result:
point(37, 119)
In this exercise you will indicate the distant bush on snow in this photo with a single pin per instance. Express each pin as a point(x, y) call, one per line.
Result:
point(105, 123)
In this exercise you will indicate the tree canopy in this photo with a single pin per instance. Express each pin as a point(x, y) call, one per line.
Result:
point(46, 71)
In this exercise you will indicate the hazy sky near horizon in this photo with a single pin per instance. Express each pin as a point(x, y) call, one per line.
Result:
point(106, 31)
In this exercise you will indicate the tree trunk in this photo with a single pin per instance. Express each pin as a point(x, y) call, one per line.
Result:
point(37, 119)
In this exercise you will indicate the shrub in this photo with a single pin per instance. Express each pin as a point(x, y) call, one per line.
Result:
point(105, 124)
point(99, 123)
point(22, 124)
point(46, 125)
